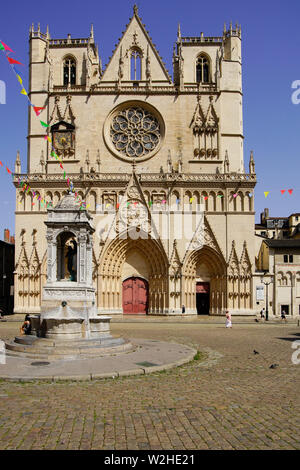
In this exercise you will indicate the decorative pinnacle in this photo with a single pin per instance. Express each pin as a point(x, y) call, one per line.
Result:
point(178, 31)
point(224, 30)
point(92, 31)
point(135, 9)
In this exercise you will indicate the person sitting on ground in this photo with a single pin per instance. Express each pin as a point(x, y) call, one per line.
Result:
point(26, 327)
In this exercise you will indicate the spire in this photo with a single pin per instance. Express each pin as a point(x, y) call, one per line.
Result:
point(135, 9)
point(178, 32)
point(251, 164)
point(226, 162)
point(18, 163)
point(224, 30)
point(230, 27)
point(92, 31)
point(47, 32)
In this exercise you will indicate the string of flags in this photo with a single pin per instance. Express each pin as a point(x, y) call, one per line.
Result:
point(38, 110)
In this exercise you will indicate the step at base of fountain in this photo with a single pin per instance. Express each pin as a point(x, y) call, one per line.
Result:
point(44, 348)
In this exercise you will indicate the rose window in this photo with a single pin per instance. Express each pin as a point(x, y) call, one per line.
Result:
point(135, 132)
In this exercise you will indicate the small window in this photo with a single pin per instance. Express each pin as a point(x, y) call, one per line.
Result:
point(135, 65)
point(69, 71)
point(285, 258)
point(263, 234)
point(291, 259)
point(296, 218)
point(202, 69)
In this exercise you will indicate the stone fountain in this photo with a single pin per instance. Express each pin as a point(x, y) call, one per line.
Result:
point(69, 323)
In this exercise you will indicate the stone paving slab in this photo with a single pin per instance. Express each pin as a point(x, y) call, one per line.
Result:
point(147, 356)
point(229, 399)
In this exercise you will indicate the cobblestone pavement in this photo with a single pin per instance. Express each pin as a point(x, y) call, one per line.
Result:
point(230, 399)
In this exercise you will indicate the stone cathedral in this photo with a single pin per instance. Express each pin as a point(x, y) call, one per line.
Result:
point(143, 149)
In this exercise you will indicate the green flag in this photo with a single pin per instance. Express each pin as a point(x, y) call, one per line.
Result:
point(44, 124)
point(1, 47)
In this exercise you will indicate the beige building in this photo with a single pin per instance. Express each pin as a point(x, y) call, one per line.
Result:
point(144, 150)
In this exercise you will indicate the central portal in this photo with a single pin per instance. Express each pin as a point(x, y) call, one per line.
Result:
point(202, 298)
point(135, 296)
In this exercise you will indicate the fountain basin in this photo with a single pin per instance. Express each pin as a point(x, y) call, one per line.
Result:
point(100, 327)
point(66, 328)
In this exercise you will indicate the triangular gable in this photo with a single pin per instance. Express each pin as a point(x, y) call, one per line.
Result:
point(34, 262)
point(22, 263)
point(245, 260)
point(135, 36)
point(211, 120)
point(56, 115)
point(198, 119)
point(203, 236)
point(175, 263)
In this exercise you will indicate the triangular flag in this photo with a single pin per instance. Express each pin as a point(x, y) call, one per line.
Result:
point(235, 195)
point(19, 79)
point(49, 139)
point(6, 47)
point(118, 205)
point(13, 61)
point(23, 92)
point(205, 198)
point(8, 170)
point(250, 194)
point(282, 191)
point(38, 109)
point(61, 166)
point(150, 203)
point(64, 175)
point(290, 191)
point(191, 199)
point(1, 163)
point(1, 47)
point(44, 124)
point(46, 137)
point(220, 195)
point(266, 193)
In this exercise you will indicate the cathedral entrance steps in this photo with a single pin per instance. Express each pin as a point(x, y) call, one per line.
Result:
point(43, 348)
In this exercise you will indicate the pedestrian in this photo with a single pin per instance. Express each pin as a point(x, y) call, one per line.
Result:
point(262, 314)
point(228, 322)
point(283, 317)
point(26, 327)
point(183, 309)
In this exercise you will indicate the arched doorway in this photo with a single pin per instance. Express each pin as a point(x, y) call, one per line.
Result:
point(135, 292)
point(204, 277)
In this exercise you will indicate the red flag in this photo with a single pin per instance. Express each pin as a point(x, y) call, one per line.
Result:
point(1, 163)
point(8, 170)
point(61, 166)
point(282, 191)
point(13, 61)
point(38, 109)
point(290, 191)
point(6, 47)
point(205, 198)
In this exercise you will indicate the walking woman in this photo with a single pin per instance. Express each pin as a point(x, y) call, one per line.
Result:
point(228, 322)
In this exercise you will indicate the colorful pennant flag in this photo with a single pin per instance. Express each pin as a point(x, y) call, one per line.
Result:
point(290, 191)
point(1, 47)
point(44, 124)
point(282, 191)
point(19, 79)
point(266, 193)
point(13, 61)
point(1, 163)
point(23, 92)
point(6, 47)
point(38, 109)
point(8, 170)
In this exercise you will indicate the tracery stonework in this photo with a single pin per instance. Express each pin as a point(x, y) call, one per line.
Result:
point(151, 154)
point(135, 132)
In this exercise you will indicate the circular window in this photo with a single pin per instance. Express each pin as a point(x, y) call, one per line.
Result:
point(134, 131)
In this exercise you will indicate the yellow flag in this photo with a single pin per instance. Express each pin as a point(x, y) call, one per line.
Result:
point(19, 79)
point(49, 139)
point(266, 193)
point(191, 199)
point(23, 91)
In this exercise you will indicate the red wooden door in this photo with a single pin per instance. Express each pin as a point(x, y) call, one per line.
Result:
point(135, 296)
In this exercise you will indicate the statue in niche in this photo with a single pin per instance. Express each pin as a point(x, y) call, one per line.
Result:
point(72, 259)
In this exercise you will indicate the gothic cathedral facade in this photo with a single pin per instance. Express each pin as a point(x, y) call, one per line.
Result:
point(158, 161)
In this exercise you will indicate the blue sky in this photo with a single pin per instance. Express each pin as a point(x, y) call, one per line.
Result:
point(271, 62)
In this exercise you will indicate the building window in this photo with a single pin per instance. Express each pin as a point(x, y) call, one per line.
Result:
point(291, 259)
point(285, 258)
point(202, 69)
point(263, 234)
point(69, 71)
point(135, 65)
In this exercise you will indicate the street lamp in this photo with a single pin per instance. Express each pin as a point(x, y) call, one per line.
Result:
point(266, 283)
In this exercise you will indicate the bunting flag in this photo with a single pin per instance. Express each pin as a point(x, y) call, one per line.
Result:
point(205, 198)
point(19, 79)
point(1, 47)
point(1, 163)
point(6, 47)
point(44, 124)
point(282, 191)
point(235, 195)
point(191, 199)
point(23, 92)
point(38, 109)
point(13, 61)
point(290, 191)
point(64, 175)
point(266, 193)
point(118, 205)
point(8, 170)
